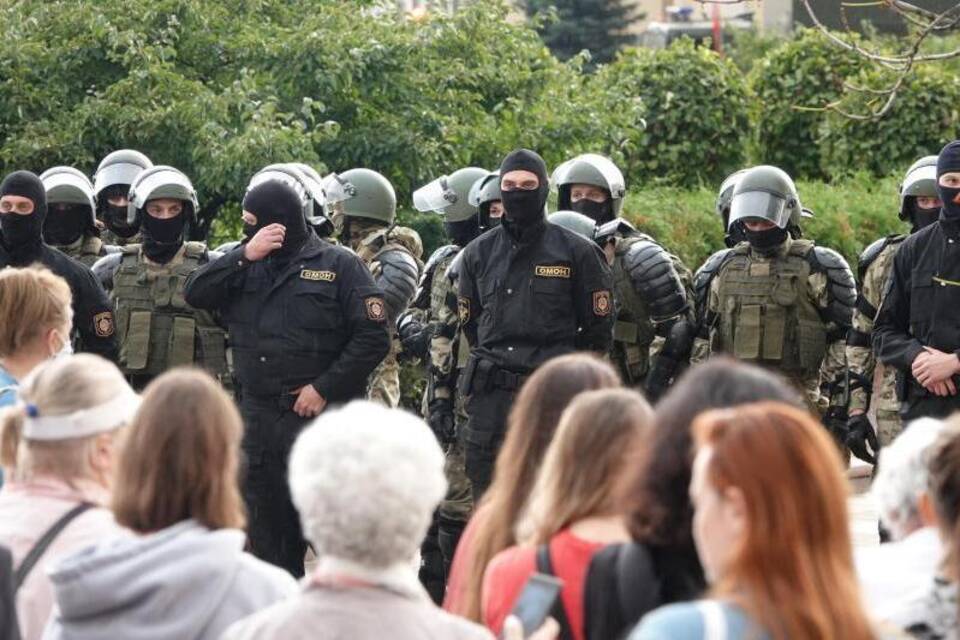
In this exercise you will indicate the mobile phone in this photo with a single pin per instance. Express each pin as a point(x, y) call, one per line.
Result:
point(536, 601)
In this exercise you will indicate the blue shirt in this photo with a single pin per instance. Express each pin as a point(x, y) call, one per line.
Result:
point(8, 388)
point(687, 621)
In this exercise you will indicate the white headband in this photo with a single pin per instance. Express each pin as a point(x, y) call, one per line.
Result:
point(87, 422)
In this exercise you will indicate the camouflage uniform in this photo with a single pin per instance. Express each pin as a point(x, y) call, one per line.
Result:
point(86, 250)
point(789, 311)
point(876, 263)
point(112, 239)
point(393, 256)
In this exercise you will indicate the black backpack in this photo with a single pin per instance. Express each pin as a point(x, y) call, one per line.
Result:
point(622, 586)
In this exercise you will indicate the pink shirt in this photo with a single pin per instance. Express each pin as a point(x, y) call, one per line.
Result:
point(27, 511)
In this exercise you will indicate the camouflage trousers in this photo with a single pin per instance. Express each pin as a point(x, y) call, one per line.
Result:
point(384, 385)
point(889, 424)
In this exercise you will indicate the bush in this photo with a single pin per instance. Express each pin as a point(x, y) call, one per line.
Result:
point(695, 106)
point(922, 119)
point(802, 74)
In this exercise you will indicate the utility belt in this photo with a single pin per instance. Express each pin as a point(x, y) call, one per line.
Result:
point(480, 375)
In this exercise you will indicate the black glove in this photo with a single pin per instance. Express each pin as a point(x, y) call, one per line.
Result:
point(658, 378)
point(860, 436)
point(441, 420)
point(414, 337)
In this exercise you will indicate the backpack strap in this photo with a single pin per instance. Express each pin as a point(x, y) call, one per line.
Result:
point(34, 555)
point(559, 611)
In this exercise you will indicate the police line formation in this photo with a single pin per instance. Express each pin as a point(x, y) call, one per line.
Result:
point(325, 294)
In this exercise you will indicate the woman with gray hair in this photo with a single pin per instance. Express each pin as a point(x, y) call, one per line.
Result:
point(889, 573)
point(365, 480)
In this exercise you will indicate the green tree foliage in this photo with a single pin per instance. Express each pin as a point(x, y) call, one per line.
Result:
point(598, 26)
point(921, 121)
point(696, 107)
point(791, 85)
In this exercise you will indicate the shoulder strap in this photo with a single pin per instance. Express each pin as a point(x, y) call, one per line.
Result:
point(714, 620)
point(559, 612)
point(34, 555)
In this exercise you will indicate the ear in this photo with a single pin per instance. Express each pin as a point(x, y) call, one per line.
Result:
point(928, 515)
point(735, 509)
point(102, 455)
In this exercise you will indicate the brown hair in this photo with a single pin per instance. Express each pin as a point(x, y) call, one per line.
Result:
point(595, 439)
point(530, 428)
point(32, 301)
point(181, 457)
point(793, 571)
point(944, 484)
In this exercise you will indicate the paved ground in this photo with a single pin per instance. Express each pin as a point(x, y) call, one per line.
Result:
point(863, 513)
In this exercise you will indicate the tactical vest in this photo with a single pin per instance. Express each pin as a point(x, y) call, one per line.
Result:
point(766, 313)
point(86, 250)
point(633, 331)
point(156, 328)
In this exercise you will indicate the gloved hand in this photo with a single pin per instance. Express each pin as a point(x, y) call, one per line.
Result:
point(441, 420)
point(861, 438)
point(414, 337)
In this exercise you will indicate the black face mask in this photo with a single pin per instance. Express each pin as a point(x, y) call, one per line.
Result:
point(163, 238)
point(115, 219)
point(600, 212)
point(951, 209)
point(274, 202)
point(487, 222)
point(523, 207)
point(21, 234)
point(765, 242)
point(461, 233)
point(65, 224)
point(923, 217)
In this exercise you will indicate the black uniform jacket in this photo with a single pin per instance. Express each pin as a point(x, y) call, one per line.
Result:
point(921, 307)
point(92, 310)
point(527, 297)
point(319, 320)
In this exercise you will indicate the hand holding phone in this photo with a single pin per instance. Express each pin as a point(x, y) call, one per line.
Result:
point(536, 601)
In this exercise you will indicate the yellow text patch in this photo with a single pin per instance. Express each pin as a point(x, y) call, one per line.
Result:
point(558, 271)
point(322, 276)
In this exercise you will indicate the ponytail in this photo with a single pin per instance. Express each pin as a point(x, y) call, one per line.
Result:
point(11, 433)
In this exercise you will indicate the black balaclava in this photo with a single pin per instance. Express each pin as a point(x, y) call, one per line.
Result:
point(600, 212)
point(920, 218)
point(275, 202)
point(461, 233)
point(115, 218)
point(65, 223)
point(483, 215)
point(22, 235)
point(765, 242)
point(949, 161)
point(162, 239)
point(524, 209)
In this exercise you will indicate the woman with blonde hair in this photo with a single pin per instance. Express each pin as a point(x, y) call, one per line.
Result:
point(530, 428)
point(35, 324)
point(772, 530)
point(573, 510)
point(59, 443)
point(186, 575)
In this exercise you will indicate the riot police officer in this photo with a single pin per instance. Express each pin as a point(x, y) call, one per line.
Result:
point(485, 196)
point(365, 217)
point(920, 205)
point(731, 235)
point(158, 329)
point(111, 187)
point(23, 208)
point(650, 285)
point(307, 326)
point(70, 225)
point(917, 329)
point(776, 300)
point(428, 330)
point(528, 291)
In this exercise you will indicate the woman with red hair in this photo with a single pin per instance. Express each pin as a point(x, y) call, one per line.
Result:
point(772, 533)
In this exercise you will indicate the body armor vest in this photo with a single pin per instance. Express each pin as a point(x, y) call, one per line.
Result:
point(766, 312)
point(86, 250)
point(157, 329)
point(633, 332)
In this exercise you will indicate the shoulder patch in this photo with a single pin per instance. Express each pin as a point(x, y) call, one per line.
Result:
point(103, 324)
point(552, 271)
point(602, 303)
point(321, 276)
point(376, 309)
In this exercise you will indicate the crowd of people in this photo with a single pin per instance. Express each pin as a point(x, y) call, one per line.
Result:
point(608, 446)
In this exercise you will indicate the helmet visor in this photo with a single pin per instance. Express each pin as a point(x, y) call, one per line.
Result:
point(435, 196)
point(336, 189)
point(759, 205)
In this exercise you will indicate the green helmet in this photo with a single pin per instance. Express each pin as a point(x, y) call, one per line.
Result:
point(368, 195)
point(449, 195)
point(920, 180)
point(592, 169)
point(577, 222)
point(768, 193)
point(69, 185)
point(725, 194)
point(161, 181)
point(119, 167)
